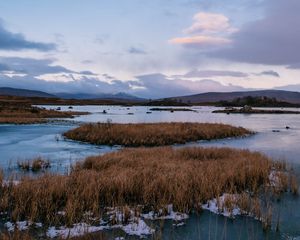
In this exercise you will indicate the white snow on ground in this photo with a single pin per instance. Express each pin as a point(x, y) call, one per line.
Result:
point(217, 206)
point(177, 217)
point(77, 230)
point(275, 178)
point(22, 225)
point(135, 226)
point(6, 183)
point(139, 228)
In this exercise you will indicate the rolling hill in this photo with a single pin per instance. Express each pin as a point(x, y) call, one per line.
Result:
point(212, 97)
point(6, 91)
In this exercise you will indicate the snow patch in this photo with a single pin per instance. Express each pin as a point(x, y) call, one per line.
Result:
point(217, 206)
point(138, 228)
point(77, 230)
point(171, 215)
point(21, 225)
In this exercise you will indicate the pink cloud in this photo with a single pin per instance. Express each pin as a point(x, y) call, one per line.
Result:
point(200, 41)
point(209, 23)
point(209, 30)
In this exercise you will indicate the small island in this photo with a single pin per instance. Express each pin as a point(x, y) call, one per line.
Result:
point(249, 110)
point(152, 134)
point(172, 109)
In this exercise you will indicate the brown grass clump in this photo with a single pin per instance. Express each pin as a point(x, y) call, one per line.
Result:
point(16, 235)
point(151, 177)
point(152, 134)
point(34, 165)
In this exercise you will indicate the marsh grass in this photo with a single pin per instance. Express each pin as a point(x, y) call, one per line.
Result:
point(152, 134)
point(16, 235)
point(143, 179)
point(19, 235)
point(24, 113)
point(34, 165)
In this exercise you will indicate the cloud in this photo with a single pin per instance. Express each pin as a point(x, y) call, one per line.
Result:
point(4, 67)
point(208, 30)
point(87, 73)
point(209, 23)
point(33, 66)
point(159, 86)
point(273, 40)
point(214, 73)
point(269, 73)
point(40, 69)
point(294, 66)
point(108, 77)
point(87, 61)
point(16, 41)
point(146, 86)
point(200, 41)
point(134, 50)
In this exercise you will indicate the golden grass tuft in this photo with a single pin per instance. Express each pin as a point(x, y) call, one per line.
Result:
point(152, 134)
point(151, 177)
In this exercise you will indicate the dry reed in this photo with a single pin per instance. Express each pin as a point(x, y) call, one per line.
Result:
point(151, 177)
point(152, 134)
point(34, 165)
point(17, 113)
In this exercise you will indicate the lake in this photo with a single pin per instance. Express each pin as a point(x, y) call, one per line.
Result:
point(24, 142)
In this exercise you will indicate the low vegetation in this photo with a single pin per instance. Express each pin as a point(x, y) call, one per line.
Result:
point(24, 113)
point(35, 165)
point(149, 178)
point(250, 110)
point(261, 101)
point(152, 134)
point(19, 235)
point(172, 109)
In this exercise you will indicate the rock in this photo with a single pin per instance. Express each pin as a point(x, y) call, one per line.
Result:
point(246, 108)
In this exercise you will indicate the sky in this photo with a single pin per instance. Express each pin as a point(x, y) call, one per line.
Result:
point(151, 49)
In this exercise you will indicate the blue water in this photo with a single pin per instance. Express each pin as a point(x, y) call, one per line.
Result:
point(21, 142)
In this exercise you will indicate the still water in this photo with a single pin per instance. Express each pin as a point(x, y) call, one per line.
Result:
point(21, 142)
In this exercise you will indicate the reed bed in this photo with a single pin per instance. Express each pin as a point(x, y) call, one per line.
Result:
point(147, 177)
point(26, 114)
point(18, 235)
point(152, 134)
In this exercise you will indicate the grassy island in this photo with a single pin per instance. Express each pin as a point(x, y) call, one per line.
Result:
point(24, 113)
point(152, 134)
point(250, 110)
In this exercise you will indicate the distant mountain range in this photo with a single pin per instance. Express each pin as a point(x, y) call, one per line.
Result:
point(118, 96)
point(212, 97)
point(6, 91)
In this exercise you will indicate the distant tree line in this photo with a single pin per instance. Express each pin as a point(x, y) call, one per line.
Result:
point(262, 101)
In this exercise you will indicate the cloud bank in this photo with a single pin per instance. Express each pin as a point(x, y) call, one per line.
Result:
point(272, 40)
point(16, 41)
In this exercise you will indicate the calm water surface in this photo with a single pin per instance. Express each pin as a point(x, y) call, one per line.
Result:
point(21, 142)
